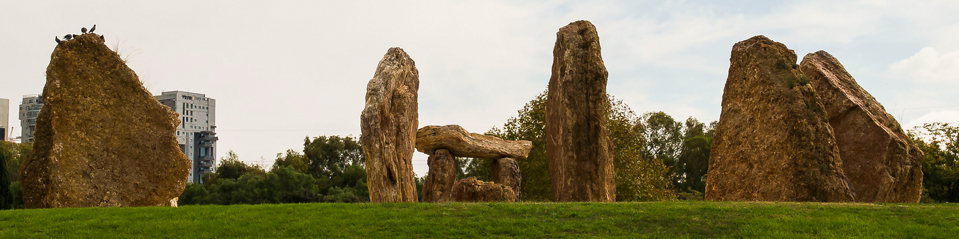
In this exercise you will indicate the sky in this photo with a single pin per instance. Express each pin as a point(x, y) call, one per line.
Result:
point(282, 71)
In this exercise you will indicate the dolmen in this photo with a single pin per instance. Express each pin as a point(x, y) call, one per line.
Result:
point(444, 143)
point(102, 140)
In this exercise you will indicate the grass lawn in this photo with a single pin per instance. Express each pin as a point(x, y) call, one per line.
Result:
point(496, 220)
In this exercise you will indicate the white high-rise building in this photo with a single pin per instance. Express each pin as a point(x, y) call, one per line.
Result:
point(4, 119)
point(197, 131)
point(29, 110)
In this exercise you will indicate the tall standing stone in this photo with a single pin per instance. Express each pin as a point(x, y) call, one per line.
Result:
point(102, 140)
point(388, 123)
point(772, 142)
point(578, 146)
point(440, 178)
point(881, 162)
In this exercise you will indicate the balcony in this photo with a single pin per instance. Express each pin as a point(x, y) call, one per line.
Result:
point(207, 158)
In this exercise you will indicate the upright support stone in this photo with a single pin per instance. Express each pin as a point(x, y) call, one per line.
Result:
point(440, 178)
point(505, 171)
point(578, 146)
point(881, 162)
point(772, 142)
point(388, 123)
point(102, 140)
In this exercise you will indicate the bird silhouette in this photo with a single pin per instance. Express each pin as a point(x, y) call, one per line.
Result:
point(68, 36)
point(83, 30)
point(101, 38)
point(57, 39)
point(93, 28)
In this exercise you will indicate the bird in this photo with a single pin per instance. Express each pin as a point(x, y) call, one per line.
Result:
point(57, 39)
point(68, 36)
point(93, 28)
point(74, 36)
point(101, 38)
point(83, 30)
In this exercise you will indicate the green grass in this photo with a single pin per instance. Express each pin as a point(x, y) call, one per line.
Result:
point(494, 220)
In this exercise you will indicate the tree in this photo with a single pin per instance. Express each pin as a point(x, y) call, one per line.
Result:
point(637, 177)
point(231, 167)
point(292, 159)
point(940, 166)
point(6, 195)
point(693, 162)
point(328, 156)
point(663, 135)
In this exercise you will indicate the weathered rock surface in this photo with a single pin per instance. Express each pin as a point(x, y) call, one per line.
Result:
point(880, 161)
point(505, 171)
point(772, 142)
point(578, 146)
point(388, 125)
point(465, 144)
point(473, 190)
point(102, 140)
point(440, 178)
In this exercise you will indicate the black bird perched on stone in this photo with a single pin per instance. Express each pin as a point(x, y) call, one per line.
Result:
point(101, 38)
point(57, 39)
point(93, 28)
point(83, 30)
point(68, 36)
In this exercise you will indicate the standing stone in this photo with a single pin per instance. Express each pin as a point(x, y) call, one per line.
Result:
point(578, 146)
point(881, 162)
point(388, 123)
point(440, 178)
point(102, 140)
point(772, 142)
point(505, 171)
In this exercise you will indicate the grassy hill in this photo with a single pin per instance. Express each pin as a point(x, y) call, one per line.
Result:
point(483, 220)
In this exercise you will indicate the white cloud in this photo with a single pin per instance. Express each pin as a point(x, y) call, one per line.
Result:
point(928, 66)
point(944, 116)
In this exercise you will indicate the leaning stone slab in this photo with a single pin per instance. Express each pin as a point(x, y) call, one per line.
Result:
point(772, 142)
point(465, 144)
point(102, 140)
point(388, 124)
point(881, 162)
point(577, 141)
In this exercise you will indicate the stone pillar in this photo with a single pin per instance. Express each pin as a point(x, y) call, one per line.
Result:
point(578, 146)
point(388, 123)
point(773, 141)
point(102, 140)
point(505, 171)
point(441, 176)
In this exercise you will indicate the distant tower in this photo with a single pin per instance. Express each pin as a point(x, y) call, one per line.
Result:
point(4, 119)
point(29, 110)
point(196, 133)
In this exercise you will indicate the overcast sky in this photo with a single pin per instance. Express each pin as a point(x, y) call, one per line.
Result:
point(284, 70)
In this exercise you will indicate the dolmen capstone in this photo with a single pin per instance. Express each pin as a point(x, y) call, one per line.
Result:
point(773, 141)
point(102, 140)
point(880, 161)
point(578, 146)
point(388, 124)
point(444, 143)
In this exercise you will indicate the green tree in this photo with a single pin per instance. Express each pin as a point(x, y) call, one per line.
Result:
point(940, 166)
point(292, 159)
point(6, 195)
point(693, 162)
point(637, 178)
point(663, 136)
point(231, 167)
point(328, 156)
